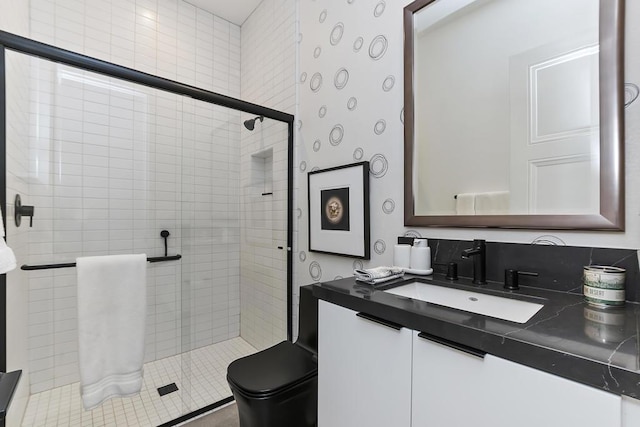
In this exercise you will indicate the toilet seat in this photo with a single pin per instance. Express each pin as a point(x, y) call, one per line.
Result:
point(273, 370)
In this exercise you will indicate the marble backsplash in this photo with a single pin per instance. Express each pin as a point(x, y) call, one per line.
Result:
point(559, 268)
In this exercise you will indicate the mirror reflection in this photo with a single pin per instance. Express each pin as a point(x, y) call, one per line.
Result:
point(505, 110)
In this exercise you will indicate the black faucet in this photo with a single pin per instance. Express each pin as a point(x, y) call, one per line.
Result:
point(479, 254)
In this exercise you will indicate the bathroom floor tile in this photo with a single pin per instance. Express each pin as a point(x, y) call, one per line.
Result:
point(199, 374)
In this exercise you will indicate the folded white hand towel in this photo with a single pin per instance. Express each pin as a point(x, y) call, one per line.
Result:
point(465, 204)
point(492, 203)
point(111, 323)
point(7, 257)
point(378, 274)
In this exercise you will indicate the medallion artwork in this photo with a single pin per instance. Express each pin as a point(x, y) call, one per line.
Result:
point(335, 209)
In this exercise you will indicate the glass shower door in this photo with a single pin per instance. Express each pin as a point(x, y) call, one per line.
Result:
point(115, 167)
point(233, 237)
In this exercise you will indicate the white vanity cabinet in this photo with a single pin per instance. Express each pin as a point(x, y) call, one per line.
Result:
point(373, 373)
point(535, 398)
point(630, 412)
point(364, 370)
point(447, 386)
point(452, 387)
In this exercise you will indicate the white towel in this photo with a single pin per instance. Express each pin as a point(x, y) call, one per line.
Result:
point(492, 203)
point(111, 322)
point(376, 275)
point(7, 257)
point(465, 204)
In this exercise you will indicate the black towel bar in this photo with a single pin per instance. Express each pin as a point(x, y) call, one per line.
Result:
point(73, 264)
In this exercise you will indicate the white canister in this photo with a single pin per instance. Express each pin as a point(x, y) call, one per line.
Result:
point(604, 285)
point(420, 242)
point(402, 256)
point(420, 255)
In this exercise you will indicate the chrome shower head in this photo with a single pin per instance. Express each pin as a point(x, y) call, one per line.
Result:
point(251, 123)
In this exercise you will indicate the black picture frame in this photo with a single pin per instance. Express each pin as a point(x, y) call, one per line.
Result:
point(339, 215)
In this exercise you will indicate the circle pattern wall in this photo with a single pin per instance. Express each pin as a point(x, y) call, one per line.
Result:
point(351, 99)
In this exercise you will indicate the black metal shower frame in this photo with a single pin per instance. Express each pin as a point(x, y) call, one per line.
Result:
point(9, 41)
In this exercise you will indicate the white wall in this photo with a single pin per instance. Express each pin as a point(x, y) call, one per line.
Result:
point(366, 76)
point(268, 78)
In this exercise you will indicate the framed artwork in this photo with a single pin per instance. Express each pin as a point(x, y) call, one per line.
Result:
point(339, 210)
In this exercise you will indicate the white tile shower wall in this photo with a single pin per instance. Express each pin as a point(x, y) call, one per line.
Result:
point(347, 51)
point(263, 270)
point(108, 172)
point(269, 56)
point(268, 78)
point(15, 17)
point(17, 118)
point(210, 212)
point(168, 38)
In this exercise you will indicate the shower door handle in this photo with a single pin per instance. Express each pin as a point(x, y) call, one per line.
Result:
point(282, 248)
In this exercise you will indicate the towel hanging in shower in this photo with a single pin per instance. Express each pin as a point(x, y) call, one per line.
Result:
point(111, 323)
point(7, 257)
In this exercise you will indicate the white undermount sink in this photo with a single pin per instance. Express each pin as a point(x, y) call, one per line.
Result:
point(509, 309)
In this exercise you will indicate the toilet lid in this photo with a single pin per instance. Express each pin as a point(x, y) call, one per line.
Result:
point(270, 370)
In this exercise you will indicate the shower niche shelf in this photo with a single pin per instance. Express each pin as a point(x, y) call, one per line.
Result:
point(262, 172)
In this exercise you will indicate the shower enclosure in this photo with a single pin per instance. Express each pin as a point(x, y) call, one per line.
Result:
point(116, 161)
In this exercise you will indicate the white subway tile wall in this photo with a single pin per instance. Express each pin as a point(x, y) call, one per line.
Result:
point(168, 38)
point(15, 17)
point(268, 78)
point(269, 55)
point(111, 164)
point(17, 160)
point(263, 255)
point(107, 184)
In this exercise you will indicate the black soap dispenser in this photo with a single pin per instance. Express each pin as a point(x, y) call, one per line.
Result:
point(511, 278)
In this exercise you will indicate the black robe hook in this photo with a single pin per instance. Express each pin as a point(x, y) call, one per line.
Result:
point(165, 234)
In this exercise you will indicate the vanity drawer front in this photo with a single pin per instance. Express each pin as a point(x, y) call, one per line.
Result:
point(364, 370)
point(535, 398)
point(447, 384)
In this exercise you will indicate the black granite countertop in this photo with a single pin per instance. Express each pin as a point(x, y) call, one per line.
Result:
point(567, 337)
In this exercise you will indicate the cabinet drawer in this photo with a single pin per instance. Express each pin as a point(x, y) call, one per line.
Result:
point(364, 370)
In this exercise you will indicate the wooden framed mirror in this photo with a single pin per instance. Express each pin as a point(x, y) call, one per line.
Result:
point(514, 114)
